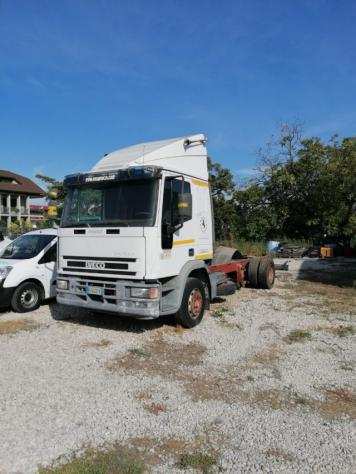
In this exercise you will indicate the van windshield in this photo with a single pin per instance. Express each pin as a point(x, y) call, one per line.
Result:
point(126, 203)
point(26, 246)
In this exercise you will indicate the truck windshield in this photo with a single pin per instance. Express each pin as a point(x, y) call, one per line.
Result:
point(26, 246)
point(126, 203)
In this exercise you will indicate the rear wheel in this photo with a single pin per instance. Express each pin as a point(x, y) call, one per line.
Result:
point(266, 273)
point(27, 297)
point(252, 272)
point(193, 304)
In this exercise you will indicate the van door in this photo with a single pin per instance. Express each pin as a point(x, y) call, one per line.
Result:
point(48, 267)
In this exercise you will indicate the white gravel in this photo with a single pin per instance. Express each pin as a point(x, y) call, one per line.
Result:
point(58, 395)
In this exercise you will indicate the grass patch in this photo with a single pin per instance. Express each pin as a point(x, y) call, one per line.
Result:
point(298, 335)
point(338, 401)
point(139, 352)
point(268, 356)
point(279, 454)
point(324, 298)
point(159, 357)
point(220, 315)
point(139, 455)
point(300, 400)
point(97, 344)
point(201, 461)
point(113, 461)
point(340, 330)
point(220, 312)
point(17, 325)
point(156, 408)
point(344, 331)
point(149, 405)
point(346, 366)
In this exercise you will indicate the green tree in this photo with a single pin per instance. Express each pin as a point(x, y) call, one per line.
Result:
point(311, 194)
point(222, 187)
point(305, 190)
point(55, 195)
point(254, 219)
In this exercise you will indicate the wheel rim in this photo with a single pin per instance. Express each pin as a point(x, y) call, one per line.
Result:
point(29, 298)
point(270, 275)
point(195, 303)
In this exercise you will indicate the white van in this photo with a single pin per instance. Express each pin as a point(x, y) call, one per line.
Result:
point(28, 270)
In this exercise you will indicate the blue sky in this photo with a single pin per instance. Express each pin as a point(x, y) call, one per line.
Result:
point(81, 78)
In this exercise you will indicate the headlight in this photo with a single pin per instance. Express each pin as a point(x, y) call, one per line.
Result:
point(4, 271)
point(149, 293)
point(62, 284)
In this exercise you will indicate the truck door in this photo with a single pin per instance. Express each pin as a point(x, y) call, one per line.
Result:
point(177, 240)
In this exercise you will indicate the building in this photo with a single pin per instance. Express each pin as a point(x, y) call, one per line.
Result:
point(38, 213)
point(15, 194)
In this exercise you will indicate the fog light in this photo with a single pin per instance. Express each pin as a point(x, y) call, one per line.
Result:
point(62, 284)
point(149, 293)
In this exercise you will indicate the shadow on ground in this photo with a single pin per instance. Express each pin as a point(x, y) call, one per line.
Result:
point(338, 272)
point(109, 321)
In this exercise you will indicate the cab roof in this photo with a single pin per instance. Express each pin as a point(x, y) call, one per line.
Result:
point(185, 155)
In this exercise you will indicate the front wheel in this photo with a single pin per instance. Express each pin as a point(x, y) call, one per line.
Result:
point(27, 297)
point(193, 304)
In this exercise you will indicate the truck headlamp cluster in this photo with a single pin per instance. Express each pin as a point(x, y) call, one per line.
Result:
point(62, 284)
point(147, 293)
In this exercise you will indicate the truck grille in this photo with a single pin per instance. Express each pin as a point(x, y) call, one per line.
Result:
point(111, 291)
point(102, 265)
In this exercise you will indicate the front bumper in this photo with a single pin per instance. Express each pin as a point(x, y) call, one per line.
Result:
point(114, 298)
point(5, 296)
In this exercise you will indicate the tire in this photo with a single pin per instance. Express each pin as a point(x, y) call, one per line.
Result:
point(252, 272)
point(193, 304)
point(27, 297)
point(266, 273)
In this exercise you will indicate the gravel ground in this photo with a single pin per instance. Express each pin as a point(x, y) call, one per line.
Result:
point(263, 384)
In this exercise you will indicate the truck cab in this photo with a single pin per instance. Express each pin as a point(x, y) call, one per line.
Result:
point(136, 235)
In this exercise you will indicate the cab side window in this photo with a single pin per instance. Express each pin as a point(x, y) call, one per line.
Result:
point(176, 190)
point(50, 255)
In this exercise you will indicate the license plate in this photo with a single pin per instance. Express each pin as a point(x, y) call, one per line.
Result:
point(94, 290)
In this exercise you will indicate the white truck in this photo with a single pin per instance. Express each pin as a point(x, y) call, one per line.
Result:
point(136, 236)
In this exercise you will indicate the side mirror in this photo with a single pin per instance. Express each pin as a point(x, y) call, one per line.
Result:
point(185, 206)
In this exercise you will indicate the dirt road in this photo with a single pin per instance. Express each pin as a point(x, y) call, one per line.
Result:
point(264, 383)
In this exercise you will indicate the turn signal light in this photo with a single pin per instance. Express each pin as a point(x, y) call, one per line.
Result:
point(149, 293)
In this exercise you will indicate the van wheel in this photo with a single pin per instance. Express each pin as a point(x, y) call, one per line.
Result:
point(193, 305)
point(27, 297)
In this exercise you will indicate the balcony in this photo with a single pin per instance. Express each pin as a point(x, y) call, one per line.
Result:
point(14, 211)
